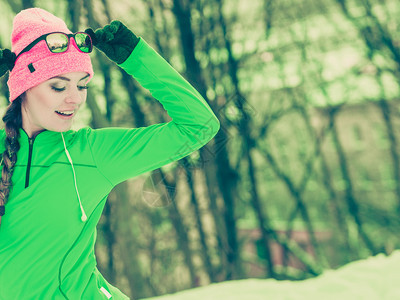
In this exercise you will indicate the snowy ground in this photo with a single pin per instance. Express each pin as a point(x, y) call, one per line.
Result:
point(377, 278)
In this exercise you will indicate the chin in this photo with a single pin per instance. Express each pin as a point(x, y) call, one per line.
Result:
point(60, 128)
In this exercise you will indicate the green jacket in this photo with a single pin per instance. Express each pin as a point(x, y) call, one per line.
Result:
point(46, 250)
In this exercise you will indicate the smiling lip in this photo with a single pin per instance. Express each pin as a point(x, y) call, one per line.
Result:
point(65, 117)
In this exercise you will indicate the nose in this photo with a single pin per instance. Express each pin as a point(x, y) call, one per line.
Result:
point(75, 96)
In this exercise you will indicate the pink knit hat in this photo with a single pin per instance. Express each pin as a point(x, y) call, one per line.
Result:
point(28, 25)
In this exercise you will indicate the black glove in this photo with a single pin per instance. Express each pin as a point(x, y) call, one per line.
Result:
point(7, 61)
point(115, 40)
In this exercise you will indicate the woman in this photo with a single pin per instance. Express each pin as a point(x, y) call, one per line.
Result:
point(55, 181)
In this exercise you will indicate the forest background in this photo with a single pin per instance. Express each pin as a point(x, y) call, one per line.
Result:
point(304, 173)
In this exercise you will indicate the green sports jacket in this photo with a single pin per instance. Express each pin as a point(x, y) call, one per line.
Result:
point(46, 250)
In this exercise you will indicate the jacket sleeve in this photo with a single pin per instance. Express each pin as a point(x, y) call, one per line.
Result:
point(123, 153)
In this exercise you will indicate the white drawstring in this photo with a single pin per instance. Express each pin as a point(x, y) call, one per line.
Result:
point(84, 217)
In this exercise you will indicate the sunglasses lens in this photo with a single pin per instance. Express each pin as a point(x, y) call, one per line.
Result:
point(83, 42)
point(57, 42)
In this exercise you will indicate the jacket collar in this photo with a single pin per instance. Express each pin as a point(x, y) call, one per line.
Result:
point(44, 138)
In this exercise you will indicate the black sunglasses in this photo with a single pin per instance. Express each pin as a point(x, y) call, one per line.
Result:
point(58, 42)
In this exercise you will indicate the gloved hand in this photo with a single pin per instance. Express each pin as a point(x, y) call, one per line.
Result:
point(7, 61)
point(115, 40)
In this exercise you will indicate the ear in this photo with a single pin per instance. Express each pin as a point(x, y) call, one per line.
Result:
point(7, 61)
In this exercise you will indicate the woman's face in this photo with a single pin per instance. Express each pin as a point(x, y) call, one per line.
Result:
point(42, 104)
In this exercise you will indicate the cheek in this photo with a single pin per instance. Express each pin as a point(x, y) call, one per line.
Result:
point(45, 101)
point(84, 96)
point(40, 105)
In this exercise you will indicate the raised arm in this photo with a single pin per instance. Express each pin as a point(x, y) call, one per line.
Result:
point(122, 153)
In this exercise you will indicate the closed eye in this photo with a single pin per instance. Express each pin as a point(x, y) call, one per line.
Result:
point(81, 88)
point(57, 90)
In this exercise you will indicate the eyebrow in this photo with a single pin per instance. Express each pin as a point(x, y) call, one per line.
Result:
point(67, 79)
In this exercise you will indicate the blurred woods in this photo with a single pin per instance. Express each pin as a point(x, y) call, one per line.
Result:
point(304, 172)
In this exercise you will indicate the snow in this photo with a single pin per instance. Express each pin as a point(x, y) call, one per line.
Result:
point(376, 277)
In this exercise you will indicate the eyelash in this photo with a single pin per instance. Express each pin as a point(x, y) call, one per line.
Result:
point(62, 89)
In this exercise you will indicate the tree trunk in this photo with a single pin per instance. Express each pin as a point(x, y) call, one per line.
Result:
point(386, 116)
point(226, 176)
point(349, 196)
point(128, 250)
point(248, 144)
point(180, 229)
point(199, 223)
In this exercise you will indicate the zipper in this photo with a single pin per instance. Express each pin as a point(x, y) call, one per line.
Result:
point(28, 168)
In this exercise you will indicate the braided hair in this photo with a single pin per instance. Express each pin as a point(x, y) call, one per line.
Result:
point(13, 122)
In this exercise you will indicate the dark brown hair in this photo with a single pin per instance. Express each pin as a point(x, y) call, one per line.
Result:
point(12, 123)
